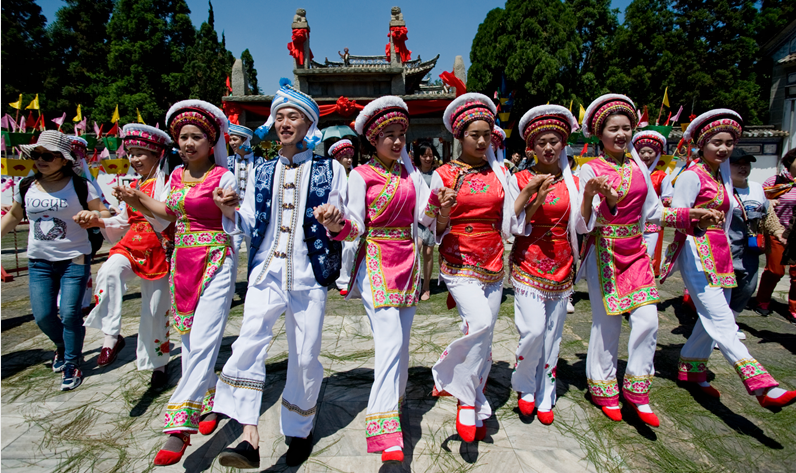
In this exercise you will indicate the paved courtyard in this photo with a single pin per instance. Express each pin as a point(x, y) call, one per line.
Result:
point(112, 422)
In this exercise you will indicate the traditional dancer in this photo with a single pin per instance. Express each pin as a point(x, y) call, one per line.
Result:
point(617, 198)
point(386, 199)
point(705, 262)
point(291, 262)
point(203, 269)
point(543, 257)
point(471, 255)
point(139, 251)
point(343, 153)
point(240, 164)
point(650, 145)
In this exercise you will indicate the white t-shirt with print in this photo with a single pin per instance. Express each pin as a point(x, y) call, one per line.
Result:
point(53, 235)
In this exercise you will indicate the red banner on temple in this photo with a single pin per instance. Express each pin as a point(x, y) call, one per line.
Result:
point(399, 37)
point(296, 46)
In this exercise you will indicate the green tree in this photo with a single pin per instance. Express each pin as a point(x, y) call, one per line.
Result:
point(208, 63)
point(251, 72)
point(181, 38)
point(530, 44)
point(596, 26)
point(79, 52)
point(25, 50)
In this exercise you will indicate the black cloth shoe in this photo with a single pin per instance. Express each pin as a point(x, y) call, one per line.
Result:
point(159, 379)
point(299, 450)
point(242, 456)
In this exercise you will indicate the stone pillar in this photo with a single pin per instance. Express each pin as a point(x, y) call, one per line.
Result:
point(240, 83)
point(300, 23)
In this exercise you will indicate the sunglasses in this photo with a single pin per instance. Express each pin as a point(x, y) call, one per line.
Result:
point(46, 157)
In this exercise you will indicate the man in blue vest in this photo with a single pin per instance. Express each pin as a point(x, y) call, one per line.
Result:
point(291, 263)
point(240, 164)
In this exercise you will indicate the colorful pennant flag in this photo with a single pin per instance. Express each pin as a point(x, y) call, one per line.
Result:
point(645, 118)
point(18, 103)
point(570, 105)
point(585, 149)
point(677, 115)
point(115, 117)
point(581, 114)
point(34, 104)
point(79, 116)
point(60, 121)
point(138, 116)
point(666, 97)
point(668, 118)
point(114, 130)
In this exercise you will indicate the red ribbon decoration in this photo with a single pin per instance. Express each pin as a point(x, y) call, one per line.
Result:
point(232, 111)
point(399, 37)
point(416, 107)
point(296, 46)
point(452, 81)
point(343, 106)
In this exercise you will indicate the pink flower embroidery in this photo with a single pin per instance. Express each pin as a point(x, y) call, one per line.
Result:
point(372, 428)
point(639, 297)
point(390, 425)
point(180, 418)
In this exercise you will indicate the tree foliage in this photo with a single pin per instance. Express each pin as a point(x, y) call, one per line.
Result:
point(139, 54)
point(707, 52)
point(251, 72)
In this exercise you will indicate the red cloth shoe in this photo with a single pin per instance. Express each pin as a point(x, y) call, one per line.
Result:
point(167, 457)
point(774, 402)
point(710, 391)
point(343, 292)
point(108, 355)
point(526, 408)
point(466, 432)
point(648, 418)
point(480, 433)
point(545, 417)
point(396, 456)
point(206, 427)
point(613, 414)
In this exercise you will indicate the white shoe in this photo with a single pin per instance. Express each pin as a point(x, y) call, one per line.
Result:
point(570, 307)
point(741, 335)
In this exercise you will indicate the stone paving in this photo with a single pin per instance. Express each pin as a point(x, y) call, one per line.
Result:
point(112, 422)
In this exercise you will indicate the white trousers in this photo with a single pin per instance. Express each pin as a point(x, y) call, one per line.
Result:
point(240, 387)
point(349, 257)
point(652, 240)
point(540, 322)
point(463, 368)
point(195, 392)
point(602, 356)
point(237, 240)
point(153, 328)
point(716, 323)
point(391, 328)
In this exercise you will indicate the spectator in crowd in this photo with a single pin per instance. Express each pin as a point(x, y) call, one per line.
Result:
point(426, 159)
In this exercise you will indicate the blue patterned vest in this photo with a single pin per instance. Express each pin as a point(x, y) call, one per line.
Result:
point(325, 255)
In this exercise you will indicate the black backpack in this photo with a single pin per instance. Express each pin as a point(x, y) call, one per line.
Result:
point(81, 189)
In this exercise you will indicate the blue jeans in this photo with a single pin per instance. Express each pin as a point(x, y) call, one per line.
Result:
point(46, 279)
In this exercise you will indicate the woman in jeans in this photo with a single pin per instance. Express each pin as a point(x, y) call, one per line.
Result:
point(426, 160)
point(58, 203)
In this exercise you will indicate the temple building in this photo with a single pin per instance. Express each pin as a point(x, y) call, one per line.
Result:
point(342, 88)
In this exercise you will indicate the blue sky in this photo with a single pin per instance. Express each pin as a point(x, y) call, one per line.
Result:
point(441, 27)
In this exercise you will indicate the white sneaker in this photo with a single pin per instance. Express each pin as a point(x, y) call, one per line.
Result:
point(741, 335)
point(570, 307)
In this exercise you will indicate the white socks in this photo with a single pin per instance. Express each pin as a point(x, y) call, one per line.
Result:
point(611, 407)
point(527, 397)
point(394, 449)
point(110, 341)
point(644, 408)
point(467, 416)
point(773, 393)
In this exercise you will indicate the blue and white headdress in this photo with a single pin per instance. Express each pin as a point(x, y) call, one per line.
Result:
point(244, 132)
point(288, 96)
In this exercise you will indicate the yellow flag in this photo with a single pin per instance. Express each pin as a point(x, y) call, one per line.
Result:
point(666, 97)
point(35, 104)
point(115, 117)
point(138, 114)
point(79, 117)
point(570, 105)
point(18, 103)
point(581, 114)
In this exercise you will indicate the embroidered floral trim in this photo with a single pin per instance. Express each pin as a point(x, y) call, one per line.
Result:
point(676, 218)
point(141, 227)
point(477, 186)
point(302, 412)
point(651, 228)
point(387, 193)
point(354, 233)
point(637, 384)
point(614, 303)
point(619, 231)
point(625, 172)
point(692, 365)
point(749, 368)
point(705, 252)
point(209, 238)
point(390, 233)
point(668, 262)
point(184, 416)
point(383, 297)
point(608, 388)
point(432, 210)
point(163, 347)
point(543, 285)
point(242, 383)
point(382, 423)
point(469, 271)
point(209, 401)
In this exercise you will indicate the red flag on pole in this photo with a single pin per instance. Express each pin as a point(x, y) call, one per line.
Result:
point(585, 149)
point(114, 130)
point(229, 86)
point(668, 118)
